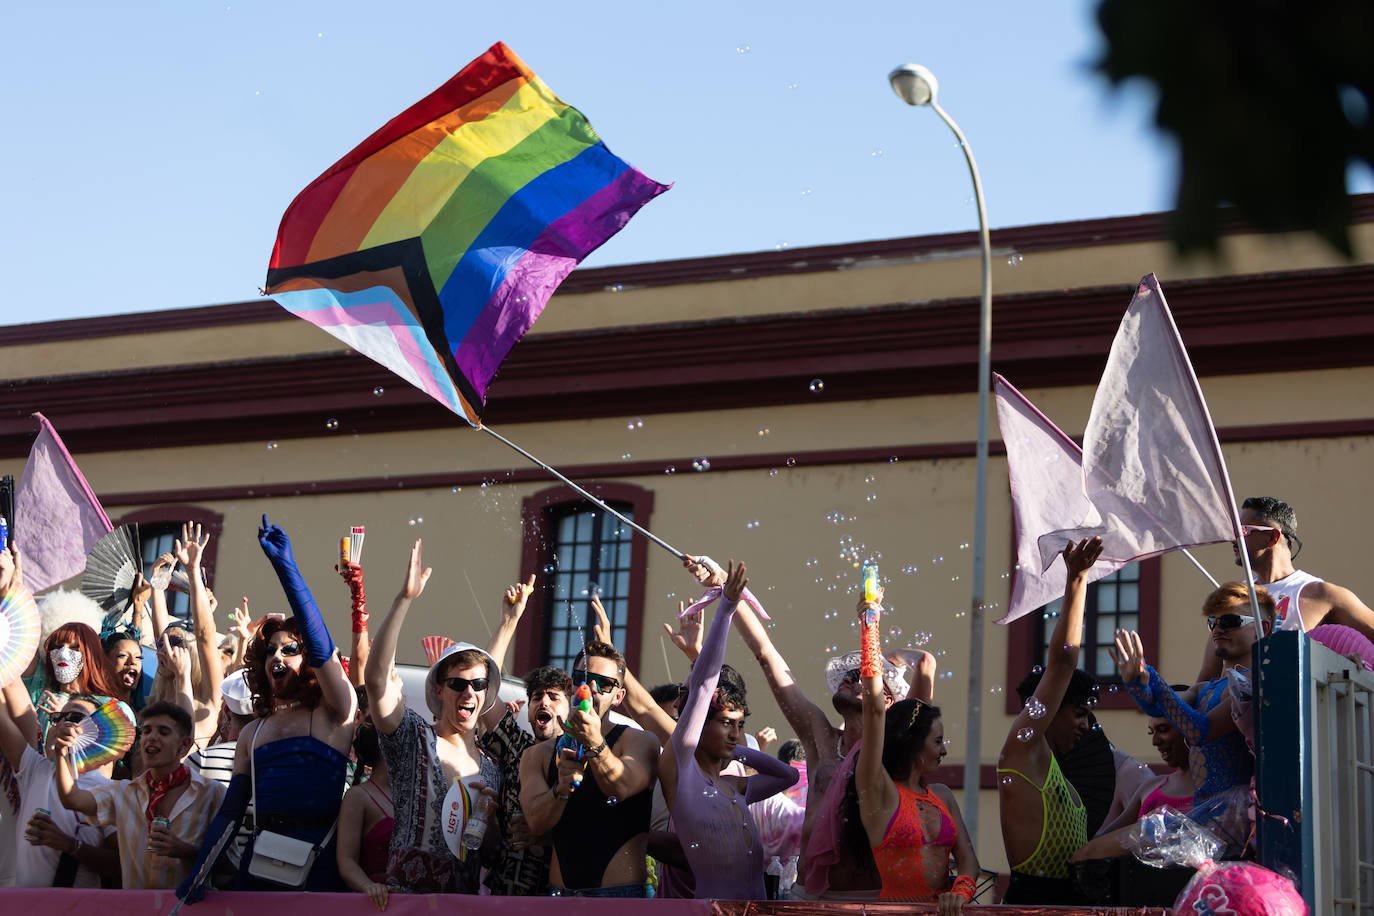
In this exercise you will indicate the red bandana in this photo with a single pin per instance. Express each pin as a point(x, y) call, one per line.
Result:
point(158, 788)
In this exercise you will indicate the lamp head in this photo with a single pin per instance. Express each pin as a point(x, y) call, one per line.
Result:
point(914, 84)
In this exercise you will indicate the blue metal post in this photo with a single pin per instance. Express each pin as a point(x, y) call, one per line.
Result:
point(1283, 765)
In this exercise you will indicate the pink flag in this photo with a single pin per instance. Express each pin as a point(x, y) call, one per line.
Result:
point(1152, 466)
point(57, 518)
point(1046, 471)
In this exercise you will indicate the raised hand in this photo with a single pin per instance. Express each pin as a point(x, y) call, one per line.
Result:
point(1080, 557)
point(1129, 655)
point(601, 630)
point(515, 598)
point(275, 543)
point(240, 620)
point(735, 581)
point(688, 635)
point(191, 545)
point(142, 591)
point(162, 570)
point(417, 574)
point(705, 570)
point(175, 657)
point(765, 737)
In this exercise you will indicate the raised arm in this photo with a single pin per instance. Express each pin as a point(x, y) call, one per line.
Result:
point(189, 550)
point(771, 777)
point(701, 684)
point(175, 660)
point(385, 700)
point(340, 699)
point(13, 711)
point(807, 719)
point(513, 601)
point(158, 602)
point(72, 797)
point(1062, 657)
point(877, 795)
point(1157, 698)
point(923, 667)
point(352, 574)
point(638, 704)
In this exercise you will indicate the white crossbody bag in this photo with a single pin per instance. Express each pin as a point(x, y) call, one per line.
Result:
point(281, 859)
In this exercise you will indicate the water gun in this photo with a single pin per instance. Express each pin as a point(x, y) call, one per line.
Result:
point(581, 700)
point(870, 664)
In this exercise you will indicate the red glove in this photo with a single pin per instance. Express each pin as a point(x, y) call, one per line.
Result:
point(352, 575)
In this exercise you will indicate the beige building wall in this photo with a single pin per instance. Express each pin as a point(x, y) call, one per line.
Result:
point(777, 518)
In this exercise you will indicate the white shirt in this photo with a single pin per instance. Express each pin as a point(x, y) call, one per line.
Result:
point(35, 866)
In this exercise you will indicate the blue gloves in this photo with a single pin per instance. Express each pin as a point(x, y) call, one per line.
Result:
point(319, 647)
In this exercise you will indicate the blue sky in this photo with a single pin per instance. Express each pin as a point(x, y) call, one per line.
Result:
point(153, 147)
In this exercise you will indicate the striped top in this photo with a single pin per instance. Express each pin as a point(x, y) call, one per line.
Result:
point(216, 762)
point(123, 805)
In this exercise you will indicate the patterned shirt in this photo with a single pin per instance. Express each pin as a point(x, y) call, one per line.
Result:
point(515, 872)
point(420, 861)
point(124, 805)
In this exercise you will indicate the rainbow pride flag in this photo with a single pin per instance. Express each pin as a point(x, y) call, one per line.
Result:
point(433, 246)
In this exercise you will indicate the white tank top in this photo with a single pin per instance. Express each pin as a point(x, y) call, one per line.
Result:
point(1286, 592)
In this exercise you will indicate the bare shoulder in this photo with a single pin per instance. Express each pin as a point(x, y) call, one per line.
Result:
point(944, 793)
point(538, 753)
point(1332, 594)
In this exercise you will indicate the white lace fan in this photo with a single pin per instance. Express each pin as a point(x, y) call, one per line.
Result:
point(112, 567)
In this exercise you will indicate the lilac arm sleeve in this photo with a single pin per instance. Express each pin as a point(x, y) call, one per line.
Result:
point(773, 775)
point(701, 685)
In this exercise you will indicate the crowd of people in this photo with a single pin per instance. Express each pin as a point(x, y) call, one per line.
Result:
point(269, 760)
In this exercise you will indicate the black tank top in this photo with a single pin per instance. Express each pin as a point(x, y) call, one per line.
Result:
point(591, 830)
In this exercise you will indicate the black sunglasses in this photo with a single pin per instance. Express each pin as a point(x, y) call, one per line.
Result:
point(459, 684)
point(287, 649)
point(601, 682)
point(1228, 621)
point(71, 715)
point(853, 674)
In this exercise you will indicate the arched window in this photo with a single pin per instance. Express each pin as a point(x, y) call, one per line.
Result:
point(575, 548)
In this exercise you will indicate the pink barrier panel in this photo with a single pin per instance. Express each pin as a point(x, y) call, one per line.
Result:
point(60, 901)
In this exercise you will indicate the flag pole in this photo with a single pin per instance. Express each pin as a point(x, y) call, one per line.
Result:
point(595, 499)
point(1200, 568)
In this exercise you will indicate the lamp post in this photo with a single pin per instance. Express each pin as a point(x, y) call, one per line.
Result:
point(917, 86)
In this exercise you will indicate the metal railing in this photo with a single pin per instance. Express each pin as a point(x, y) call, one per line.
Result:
point(1315, 774)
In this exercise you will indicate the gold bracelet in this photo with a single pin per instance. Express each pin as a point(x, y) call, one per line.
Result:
point(595, 751)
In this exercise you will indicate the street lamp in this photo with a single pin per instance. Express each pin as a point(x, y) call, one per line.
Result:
point(916, 85)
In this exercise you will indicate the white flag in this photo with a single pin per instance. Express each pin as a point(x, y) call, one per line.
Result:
point(1152, 466)
point(1045, 467)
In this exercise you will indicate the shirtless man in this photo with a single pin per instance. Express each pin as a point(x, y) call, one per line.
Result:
point(599, 847)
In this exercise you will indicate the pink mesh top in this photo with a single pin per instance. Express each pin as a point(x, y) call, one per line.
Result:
point(712, 821)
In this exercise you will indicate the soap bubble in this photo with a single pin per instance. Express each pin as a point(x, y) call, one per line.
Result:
point(1113, 688)
point(812, 562)
point(893, 459)
point(549, 568)
point(1006, 780)
point(1014, 259)
point(1038, 669)
point(378, 391)
point(752, 524)
point(870, 478)
point(995, 690)
point(871, 498)
point(876, 153)
point(670, 469)
point(817, 385)
point(772, 472)
point(634, 423)
point(701, 464)
point(416, 520)
point(742, 49)
point(331, 423)
point(964, 546)
point(1025, 734)
point(806, 192)
point(1036, 709)
point(456, 490)
point(271, 446)
point(764, 430)
point(612, 801)
point(909, 569)
point(624, 456)
point(791, 462)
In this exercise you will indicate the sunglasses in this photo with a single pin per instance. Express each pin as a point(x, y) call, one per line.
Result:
point(459, 684)
point(71, 715)
point(287, 649)
point(601, 682)
point(1228, 621)
point(853, 674)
